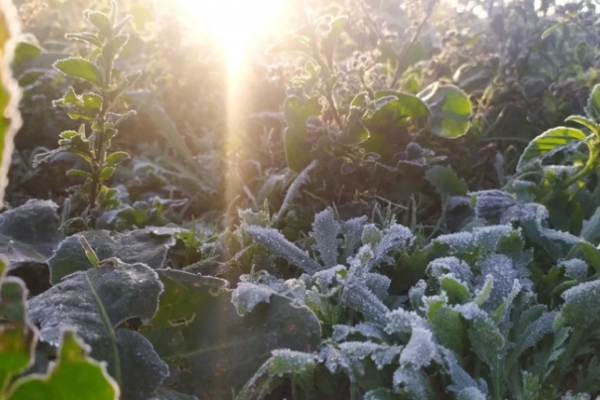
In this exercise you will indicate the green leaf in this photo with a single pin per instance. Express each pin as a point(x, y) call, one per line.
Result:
point(117, 158)
point(77, 173)
point(106, 173)
point(450, 110)
point(86, 37)
point(593, 105)
point(24, 51)
point(112, 48)
point(80, 68)
point(449, 329)
point(297, 143)
point(445, 181)
point(73, 376)
point(97, 302)
point(330, 39)
point(588, 123)
point(220, 360)
point(101, 21)
point(354, 131)
point(553, 28)
point(394, 110)
point(548, 143)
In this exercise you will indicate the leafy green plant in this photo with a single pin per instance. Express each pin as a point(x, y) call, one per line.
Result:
point(94, 108)
point(556, 168)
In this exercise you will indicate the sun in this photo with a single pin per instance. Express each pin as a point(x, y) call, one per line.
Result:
point(234, 22)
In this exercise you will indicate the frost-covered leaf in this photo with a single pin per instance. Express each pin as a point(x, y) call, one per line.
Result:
point(97, 302)
point(504, 274)
point(401, 320)
point(450, 265)
point(385, 355)
point(492, 204)
point(460, 378)
point(357, 297)
point(420, 350)
point(590, 231)
point(534, 332)
point(28, 235)
point(484, 239)
point(325, 231)
point(486, 340)
point(378, 284)
point(352, 230)
point(247, 295)
point(394, 238)
point(580, 309)
point(70, 256)
point(275, 242)
point(380, 394)
point(199, 333)
point(371, 235)
point(579, 396)
point(285, 361)
point(416, 295)
point(149, 246)
point(367, 331)
point(470, 393)
point(575, 268)
point(414, 382)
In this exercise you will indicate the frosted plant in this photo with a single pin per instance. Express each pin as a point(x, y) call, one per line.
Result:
point(325, 231)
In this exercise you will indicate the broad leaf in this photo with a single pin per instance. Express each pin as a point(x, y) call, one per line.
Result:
point(445, 181)
point(97, 302)
point(149, 246)
point(72, 376)
point(450, 110)
point(198, 331)
point(80, 68)
point(394, 110)
point(548, 143)
point(28, 235)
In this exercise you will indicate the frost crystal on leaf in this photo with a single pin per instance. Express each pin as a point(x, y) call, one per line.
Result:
point(368, 331)
point(575, 268)
point(285, 362)
point(352, 230)
point(421, 350)
point(274, 241)
point(503, 273)
point(581, 309)
point(415, 382)
point(394, 238)
point(325, 231)
point(247, 295)
point(371, 235)
point(357, 297)
point(401, 320)
point(471, 393)
point(441, 266)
